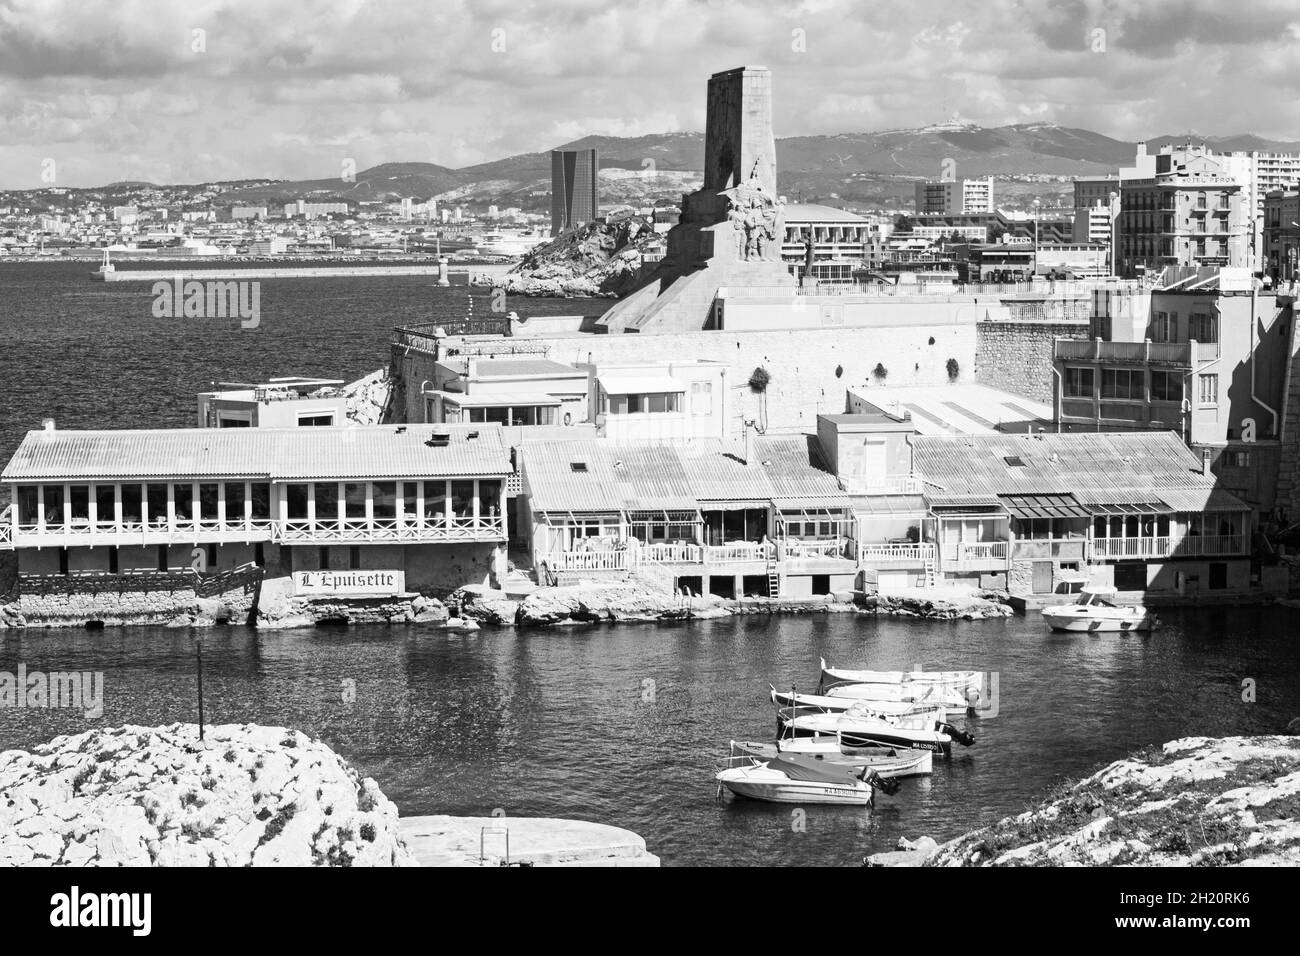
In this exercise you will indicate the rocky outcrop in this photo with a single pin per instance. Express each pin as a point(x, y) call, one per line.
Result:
point(368, 398)
point(596, 259)
point(973, 606)
point(1194, 801)
point(586, 603)
point(280, 609)
point(141, 796)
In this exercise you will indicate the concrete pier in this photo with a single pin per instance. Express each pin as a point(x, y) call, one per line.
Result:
point(532, 841)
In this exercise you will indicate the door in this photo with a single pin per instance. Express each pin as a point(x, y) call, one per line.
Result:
point(1042, 577)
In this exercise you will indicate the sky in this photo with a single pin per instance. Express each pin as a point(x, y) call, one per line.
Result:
point(97, 91)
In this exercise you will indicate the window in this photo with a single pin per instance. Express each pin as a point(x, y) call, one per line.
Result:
point(489, 498)
point(323, 559)
point(261, 500)
point(1209, 389)
point(184, 501)
point(1202, 326)
point(208, 501)
point(702, 398)
point(354, 558)
point(435, 501)
point(105, 505)
point(1121, 383)
point(1166, 386)
point(385, 495)
point(54, 506)
point(296, 498)
point(1079, 383)
point(354, 500)
point(79, 496)
point(578, 466)
point(1160, 328)
point(462, 499)
point(155, 499)
point(162, 557)
point(327, 501)
point(28, 504)
point(315, 420)
point(132, 504)
point(112, 561)
point(1236, 459)
point(225, 422)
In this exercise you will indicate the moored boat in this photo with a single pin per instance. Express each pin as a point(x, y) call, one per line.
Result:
point(791, 778)
point(888, 762)
point(832, 703)
point(1095, 610)
point(919, 732)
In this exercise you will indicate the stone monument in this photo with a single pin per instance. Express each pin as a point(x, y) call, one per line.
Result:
point(731, 228)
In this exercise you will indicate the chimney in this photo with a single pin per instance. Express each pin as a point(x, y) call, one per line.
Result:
point(1205, 461)
point(747, 452)
point(47, 424)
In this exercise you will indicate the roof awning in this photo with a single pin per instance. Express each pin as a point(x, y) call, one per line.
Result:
point(888, 505)
point(640, 384)
point(814, 503)
point(1044, 506)
point(1126, 508)
point(500, 399)
point(1202, 499)
point(736, 504)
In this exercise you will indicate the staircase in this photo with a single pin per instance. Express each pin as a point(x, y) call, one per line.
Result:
point(931, 574)
point(773, 579)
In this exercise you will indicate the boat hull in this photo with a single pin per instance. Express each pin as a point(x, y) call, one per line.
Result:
point(770, 786)
point(887, 764)
point(1060, 620)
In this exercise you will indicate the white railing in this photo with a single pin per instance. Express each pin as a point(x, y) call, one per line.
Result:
point(407, 528)
point(977, 555)
point(825, 548)
point(876, 554)
point(589, 560)
point(155, 531)
point(1212, 544)
point(737, 553)
point(672, 553)
point(1137, 547)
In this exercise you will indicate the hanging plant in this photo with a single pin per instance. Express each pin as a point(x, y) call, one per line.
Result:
point(759, 378)
point(839, 371)
point(953, 369)
point(880, 371)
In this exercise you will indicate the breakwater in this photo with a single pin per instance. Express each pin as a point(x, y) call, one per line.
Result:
point(298, 272)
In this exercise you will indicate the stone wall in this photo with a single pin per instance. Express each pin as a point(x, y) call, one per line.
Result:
point(1016, 356)
point(1287, 498)
point(178, 608)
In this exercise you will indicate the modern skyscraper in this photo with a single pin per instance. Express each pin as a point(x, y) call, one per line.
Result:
point(573, 188)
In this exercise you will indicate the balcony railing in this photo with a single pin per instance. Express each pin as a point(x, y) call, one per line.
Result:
point(622, 560)
point(681, 553)
point(1065, 549)
point(1165, 546)
point(1157, 547)
point(975, 556)
point(80, 532)
point(817, 549)
point(362, 530)
point(877, 555)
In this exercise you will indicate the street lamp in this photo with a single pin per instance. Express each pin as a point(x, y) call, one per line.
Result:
point(1034, 273)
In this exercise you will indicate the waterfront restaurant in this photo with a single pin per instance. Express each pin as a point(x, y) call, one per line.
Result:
point(1137, 510)
point(425, 500)
point(759, 519)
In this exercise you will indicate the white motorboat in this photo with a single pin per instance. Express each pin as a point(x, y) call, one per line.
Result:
point(791, 778)
point(1095, 610)
point(970, 690)
point(943, 679)
point(921, 731)
point(888, 762)
point(905, 694)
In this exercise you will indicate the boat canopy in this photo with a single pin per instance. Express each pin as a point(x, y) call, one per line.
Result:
point(798, 767)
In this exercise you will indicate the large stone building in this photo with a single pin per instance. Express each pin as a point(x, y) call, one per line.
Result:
point(1191, 212)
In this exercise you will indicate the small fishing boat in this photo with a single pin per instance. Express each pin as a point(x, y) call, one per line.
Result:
point(792, 778)
point(940, 679)
point(917, 731)
point(1094, 610)
point(910, 694)
point(888, 762)
point(839, 702)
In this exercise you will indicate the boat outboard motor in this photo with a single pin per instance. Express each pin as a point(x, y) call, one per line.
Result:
point(886, 785)
point(961, 736)
point(972, 701)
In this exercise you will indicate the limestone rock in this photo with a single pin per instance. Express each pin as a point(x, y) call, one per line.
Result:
point(1198, 800)
point(139, 796)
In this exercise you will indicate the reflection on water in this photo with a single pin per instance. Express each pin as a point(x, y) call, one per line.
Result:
point(560, 723)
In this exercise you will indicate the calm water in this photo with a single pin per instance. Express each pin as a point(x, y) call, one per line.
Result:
point(91, 354)
point(554, 723)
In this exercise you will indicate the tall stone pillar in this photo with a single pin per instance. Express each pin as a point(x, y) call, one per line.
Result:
point(738, 143)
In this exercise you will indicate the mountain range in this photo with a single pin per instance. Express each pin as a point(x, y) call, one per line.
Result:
point(1035, 161)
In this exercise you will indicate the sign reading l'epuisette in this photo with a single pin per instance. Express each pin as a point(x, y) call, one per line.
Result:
point(367, 583)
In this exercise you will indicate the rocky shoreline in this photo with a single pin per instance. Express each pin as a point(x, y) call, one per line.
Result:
point(1197, 801)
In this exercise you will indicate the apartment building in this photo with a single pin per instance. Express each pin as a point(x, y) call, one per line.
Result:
point(955, 197)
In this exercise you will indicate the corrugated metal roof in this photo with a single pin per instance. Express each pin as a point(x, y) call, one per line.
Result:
point(889, 504)
point(643, 477)
point(266, 453)
point(1202, 499)
point(1095, 468)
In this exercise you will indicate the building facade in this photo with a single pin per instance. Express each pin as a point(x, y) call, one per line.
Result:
point(955, 197)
